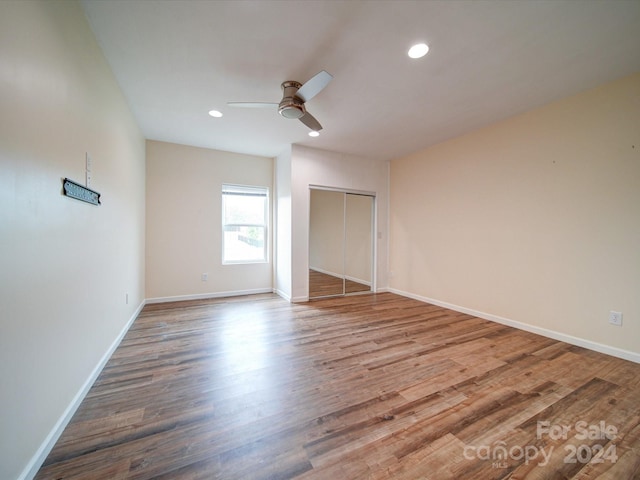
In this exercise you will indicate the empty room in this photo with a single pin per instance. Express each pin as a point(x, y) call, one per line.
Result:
point(288, 239)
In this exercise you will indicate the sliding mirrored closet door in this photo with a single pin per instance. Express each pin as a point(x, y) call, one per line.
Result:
point(340, 243)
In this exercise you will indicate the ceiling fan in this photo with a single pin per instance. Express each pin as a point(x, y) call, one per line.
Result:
point(294, 96)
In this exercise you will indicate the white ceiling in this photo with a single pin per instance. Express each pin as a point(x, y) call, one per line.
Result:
point(176, 60)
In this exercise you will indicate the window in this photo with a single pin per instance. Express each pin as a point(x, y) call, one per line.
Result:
point(244, 224)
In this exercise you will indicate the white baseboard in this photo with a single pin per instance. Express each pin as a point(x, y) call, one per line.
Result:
point(290, 298)
point(204, 296)
point(280, 293)
point(580, 342)
point(49, 442)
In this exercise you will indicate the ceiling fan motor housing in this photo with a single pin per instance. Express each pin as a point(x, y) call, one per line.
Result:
point(291, 106)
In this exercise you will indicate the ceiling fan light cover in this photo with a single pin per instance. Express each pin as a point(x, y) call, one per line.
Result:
point(291, 111)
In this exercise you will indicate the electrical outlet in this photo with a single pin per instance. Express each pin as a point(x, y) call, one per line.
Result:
point(615, 318)
point(205, 277)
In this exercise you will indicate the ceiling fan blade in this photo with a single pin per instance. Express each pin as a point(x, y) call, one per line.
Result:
point(311, 122)
point(314, 86)
point(252, 104)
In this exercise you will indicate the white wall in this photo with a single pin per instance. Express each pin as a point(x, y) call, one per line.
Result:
point(310, 166)
point(283, 255)
point(535, 219)
point(66, 266)
point(184, 222)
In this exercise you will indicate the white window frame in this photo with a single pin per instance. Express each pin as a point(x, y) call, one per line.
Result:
point(234, 189)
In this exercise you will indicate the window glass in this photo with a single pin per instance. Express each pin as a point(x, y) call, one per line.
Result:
point(244, 224)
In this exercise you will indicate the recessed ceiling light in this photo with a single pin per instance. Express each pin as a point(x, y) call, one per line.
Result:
point(215, 113)
point(419, 50)
point(313, 133)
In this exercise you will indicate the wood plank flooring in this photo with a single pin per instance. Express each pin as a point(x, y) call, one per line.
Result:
point(360, 387)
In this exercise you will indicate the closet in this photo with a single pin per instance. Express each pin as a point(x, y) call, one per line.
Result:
point(341, 242)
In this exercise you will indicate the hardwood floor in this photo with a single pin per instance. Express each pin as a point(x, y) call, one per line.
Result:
point(321, 285)
point(358, 387)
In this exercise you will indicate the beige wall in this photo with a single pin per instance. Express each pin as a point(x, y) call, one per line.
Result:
point(535, 219)
point(184, 221)
point(66, 267)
